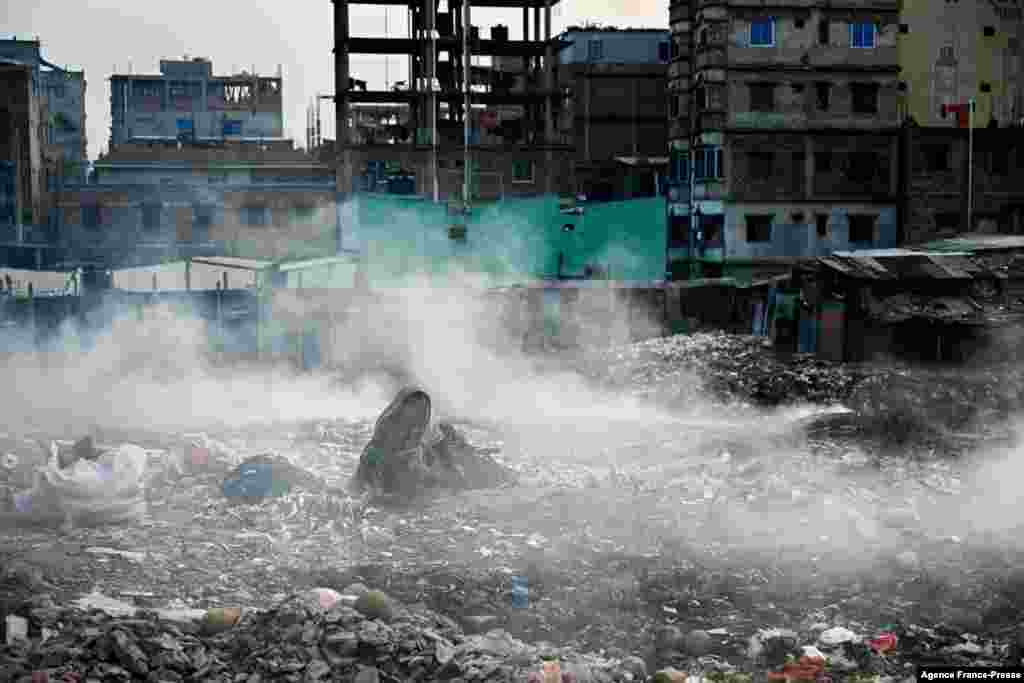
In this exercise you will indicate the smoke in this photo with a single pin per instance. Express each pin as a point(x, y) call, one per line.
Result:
point(754, 483)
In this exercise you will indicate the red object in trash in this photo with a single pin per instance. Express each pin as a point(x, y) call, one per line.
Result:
point(198, 456)
point(884, 643)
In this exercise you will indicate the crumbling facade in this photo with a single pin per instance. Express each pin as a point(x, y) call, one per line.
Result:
point(784, 121)
point(615, 81)
point(29, 162)
point(148, 202)
point(63, 90)
point(940, 167)
point(515, 148)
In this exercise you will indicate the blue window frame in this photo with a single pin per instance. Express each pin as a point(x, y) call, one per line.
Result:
point(708, 163)
point(862, 34)
point(762, 32)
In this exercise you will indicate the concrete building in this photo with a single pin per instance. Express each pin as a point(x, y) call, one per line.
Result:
point(951, 51)
point(64, 92)
point(186, 101)
point(28, 164)
point(939, 171)
point(792, 114)
point(147, 202)
point(614, 82)
point(514, 145)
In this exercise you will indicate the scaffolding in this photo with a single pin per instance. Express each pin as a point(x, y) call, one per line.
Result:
point(449, 106)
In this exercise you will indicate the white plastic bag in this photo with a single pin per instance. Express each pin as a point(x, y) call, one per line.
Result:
point(110, 488)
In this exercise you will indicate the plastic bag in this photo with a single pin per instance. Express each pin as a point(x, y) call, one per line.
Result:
point(110, 488)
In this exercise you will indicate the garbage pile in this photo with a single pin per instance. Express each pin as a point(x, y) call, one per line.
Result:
point(320, 634)
point(729, 367)
point(949, 409)
point(364, 635)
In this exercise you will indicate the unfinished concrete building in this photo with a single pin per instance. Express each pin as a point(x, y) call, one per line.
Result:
point(510, 102)
point(791, 111)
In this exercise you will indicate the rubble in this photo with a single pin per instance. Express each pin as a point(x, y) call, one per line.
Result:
point(617, 573)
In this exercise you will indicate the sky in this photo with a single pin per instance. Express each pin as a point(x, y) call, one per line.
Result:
point(105, 37)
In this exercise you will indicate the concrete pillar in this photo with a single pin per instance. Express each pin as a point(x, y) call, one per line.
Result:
point(808, 169)
point(430, 120)
point(549, 122)
point(341, 77)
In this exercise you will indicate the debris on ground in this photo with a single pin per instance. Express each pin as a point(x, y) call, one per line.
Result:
point(662, 557)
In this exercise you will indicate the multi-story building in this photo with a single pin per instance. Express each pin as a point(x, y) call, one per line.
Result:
point(790, 113)
point(29, 164)
point(185, 101)
point(614, 83)
point(515, 149)
point(147, 202)
point(942, 163)
point(954, 50)
point(64, 92)
point(197, 166)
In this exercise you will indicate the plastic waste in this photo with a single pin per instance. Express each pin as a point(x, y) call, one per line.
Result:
point(520, 592)
point(552, 671)
point(108, 487)
point(16, 628)
point(884, 643)
point(266, 476)
point(220, 619)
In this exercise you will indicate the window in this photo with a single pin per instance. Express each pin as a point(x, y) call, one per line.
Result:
point(760, 165)
point(711, 227)
point(679, 232)
point(862, 166)
point(822, 92)
point(203, 216)
point(255, 215)
point(823, 161)
point(759, 228)
point(948, 221)
point(91, 216)
point(936, 157)
point(823, 32)
point(998, 161)
point(821, 223)
point(762, 97)
point(762, 32)
point(708, 163)
point(673, 106)
point(862, 34)
point(702, 39)
point(217, 178)
point(865, 98)
point(304, 214)
point(522, 171)
point(675, 50)
point(681, 166)
point(595, 50)
point(702, 98)
point(862, 228)
point(151, 214)
point(663, 53)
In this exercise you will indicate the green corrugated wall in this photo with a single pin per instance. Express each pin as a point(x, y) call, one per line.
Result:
point(510, 241)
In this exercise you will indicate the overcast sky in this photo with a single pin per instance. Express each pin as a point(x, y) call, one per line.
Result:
point(105, 37)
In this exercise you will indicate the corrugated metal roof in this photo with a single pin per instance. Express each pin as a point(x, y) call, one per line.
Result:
point(905, 265)
point(976, 242)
